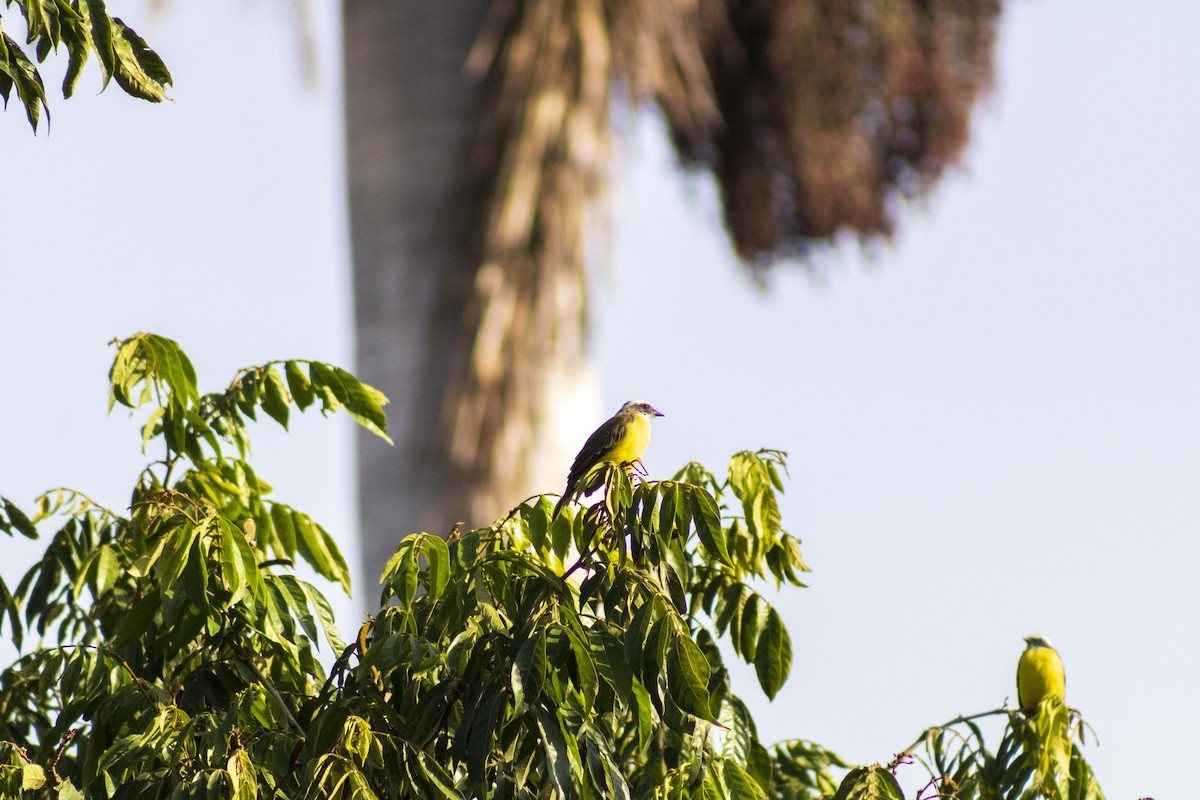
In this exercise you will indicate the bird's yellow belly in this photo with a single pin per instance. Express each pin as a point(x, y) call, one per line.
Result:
point(633, 444)
point(1039, 674)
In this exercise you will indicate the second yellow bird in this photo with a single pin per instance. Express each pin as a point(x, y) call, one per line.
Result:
point(1039, 673)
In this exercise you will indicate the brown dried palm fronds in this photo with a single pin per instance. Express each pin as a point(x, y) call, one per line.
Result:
point(832, 110)
point(814, 115)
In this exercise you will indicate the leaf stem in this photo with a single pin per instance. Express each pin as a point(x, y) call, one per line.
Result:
point(270, 687)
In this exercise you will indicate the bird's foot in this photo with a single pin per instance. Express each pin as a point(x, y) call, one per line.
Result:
point(636, 467)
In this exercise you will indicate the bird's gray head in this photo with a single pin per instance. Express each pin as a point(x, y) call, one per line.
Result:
point(1037, 640)
point(640, 407)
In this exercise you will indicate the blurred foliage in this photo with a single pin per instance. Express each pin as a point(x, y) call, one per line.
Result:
point(582, 656)
point(82, 28)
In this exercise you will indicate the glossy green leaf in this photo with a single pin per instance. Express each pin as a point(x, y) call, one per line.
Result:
point(101, 29)
point(136, 68)
point(708, 526)
point(773, 655)
point(285, 528)
point(687, 674)
point(437, 572)
point(753, 617)
point(21, 72)
point(18, 521)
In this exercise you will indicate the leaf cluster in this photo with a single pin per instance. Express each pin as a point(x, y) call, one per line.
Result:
point(163, 630)
point(1039, 755)
point(82, 28)
point(577, 656)
point(544, 656)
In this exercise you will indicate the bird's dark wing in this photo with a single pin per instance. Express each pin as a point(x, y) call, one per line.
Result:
point(602, 440)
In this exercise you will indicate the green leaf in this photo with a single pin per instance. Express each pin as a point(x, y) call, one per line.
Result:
point(325, 614)
point(869, 783)
point(645, 715)
point(708, 525)
point(137, 620)
point(437, 572)
point(317, 547)
point(167, 359)
point(100, 26)
point(32, 776)
point(18, 520)
point(738, 735)
point(529, 672)
point(194, 578)
point(20, 71)
point(365, 404)
point(275, 397)
point(298, 384)
point(100, 571)
point(151, 426)
point(323, 377)
point(285, 530)
point(773, 655)
point(238, 562)
point(12, 610)
point(753, 618)
point(35, 18)
point(585, 667)
point(481, 735)
point(610, 662)
point(687, 675)
point(557, 754)
point(67, 791)
point(76, 40)
point(176, 552)
point(739, 783)
point(537, 522)
point(137, 69)
point(434, 777)
point(231, 563)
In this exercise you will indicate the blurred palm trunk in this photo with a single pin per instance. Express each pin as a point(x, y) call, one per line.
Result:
point(411, 112)
point(460, 329)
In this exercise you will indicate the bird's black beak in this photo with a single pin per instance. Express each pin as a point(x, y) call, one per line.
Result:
point(658, 413)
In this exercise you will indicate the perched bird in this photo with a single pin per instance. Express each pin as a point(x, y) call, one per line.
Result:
point(621, 440)
point(1039, 673)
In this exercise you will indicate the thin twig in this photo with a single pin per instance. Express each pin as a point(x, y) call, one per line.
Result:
point(270, 687)
point(585, 554)
point(957, 720)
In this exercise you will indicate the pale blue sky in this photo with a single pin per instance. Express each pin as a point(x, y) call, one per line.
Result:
point(994, 424)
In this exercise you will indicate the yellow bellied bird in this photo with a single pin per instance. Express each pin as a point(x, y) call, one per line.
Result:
point(1039, 673)
point(622, 440)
